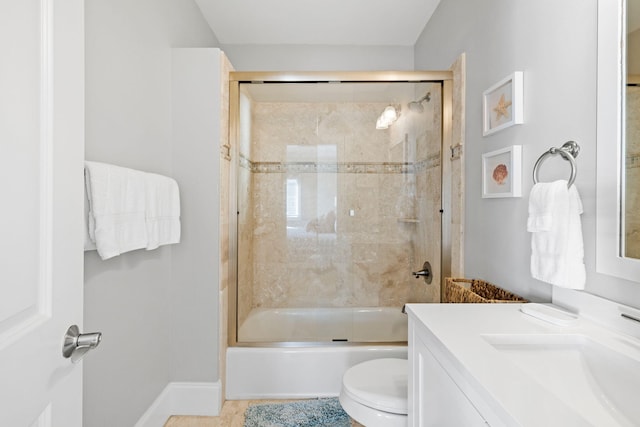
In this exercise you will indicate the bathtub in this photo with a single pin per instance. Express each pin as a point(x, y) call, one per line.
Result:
point(370, 324)
point(314, 348)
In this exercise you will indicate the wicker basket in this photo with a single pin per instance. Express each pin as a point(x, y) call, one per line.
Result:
point(476, 291)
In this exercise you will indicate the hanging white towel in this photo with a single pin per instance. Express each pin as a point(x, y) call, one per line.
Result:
point(162, 211)
point(89, 244)
point(557, 250)
point(116, 208)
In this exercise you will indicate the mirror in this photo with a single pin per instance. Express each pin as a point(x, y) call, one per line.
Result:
point(618, 143)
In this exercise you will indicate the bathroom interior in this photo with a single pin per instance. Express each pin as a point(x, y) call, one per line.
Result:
point(305, 220)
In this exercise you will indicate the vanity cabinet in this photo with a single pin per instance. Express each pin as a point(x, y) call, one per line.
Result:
point(434, 397)
point(514, 365)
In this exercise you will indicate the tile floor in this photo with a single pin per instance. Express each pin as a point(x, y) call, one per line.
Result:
point(231, 415)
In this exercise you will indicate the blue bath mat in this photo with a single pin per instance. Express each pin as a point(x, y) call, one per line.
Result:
point(306, 413)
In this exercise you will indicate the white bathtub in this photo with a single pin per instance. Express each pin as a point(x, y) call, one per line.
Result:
point(296, 371)
point(370, 324)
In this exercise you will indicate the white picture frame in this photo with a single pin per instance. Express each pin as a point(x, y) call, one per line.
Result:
point(502, 172)
point(502, 104)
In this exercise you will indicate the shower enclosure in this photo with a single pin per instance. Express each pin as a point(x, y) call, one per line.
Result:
point(338, 200)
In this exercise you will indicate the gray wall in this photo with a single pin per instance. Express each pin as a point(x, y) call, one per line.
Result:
point(196, 87)
point(128, 122)
point(554, 43)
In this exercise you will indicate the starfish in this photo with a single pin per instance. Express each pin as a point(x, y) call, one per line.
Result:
point(501, 108)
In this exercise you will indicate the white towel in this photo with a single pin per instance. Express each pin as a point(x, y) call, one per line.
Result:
point(89, 244)
point(162, 211)
point(557, 250)
point(116, 208)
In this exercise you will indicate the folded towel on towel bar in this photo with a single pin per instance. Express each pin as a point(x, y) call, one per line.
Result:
point(129, 209)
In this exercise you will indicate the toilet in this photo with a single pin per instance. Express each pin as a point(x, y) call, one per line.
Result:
point(374, 393)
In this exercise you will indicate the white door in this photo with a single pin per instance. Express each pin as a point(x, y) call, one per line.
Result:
point(41, 207)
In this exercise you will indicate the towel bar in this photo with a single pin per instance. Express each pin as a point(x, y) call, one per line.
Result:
point(569, 151)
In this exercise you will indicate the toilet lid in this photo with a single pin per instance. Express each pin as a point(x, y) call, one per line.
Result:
point(379, 384)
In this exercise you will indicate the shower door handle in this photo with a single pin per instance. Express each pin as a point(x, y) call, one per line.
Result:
point(76, 345)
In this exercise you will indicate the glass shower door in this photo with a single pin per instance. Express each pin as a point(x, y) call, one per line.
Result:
point(335, 209)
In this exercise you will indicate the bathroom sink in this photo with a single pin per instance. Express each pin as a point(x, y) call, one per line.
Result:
point(580, 371)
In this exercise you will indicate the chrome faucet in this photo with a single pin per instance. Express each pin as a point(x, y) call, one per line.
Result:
point(630, 317)
point(425, 272)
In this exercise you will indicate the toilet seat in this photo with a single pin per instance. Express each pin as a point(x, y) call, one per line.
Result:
point(380, 384)
point(375, 392)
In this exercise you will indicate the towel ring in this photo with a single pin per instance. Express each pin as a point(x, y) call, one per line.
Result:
point(569, 151)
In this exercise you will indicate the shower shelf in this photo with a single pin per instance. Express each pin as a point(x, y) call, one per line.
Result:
point(409, 220)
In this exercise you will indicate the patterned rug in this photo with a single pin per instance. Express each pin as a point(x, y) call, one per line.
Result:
point(307, 413)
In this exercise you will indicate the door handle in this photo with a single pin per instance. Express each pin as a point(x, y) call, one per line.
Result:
point(76, 345)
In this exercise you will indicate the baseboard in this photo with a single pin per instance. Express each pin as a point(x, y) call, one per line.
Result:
point(200, 399)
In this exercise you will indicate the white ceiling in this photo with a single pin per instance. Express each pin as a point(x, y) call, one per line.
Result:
point(327, 22)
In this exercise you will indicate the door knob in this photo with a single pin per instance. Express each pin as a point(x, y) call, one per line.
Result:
point(76, 345)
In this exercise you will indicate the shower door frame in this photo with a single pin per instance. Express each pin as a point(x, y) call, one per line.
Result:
point(444, 78)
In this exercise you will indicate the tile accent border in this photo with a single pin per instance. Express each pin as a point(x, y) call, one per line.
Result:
point(342, 167)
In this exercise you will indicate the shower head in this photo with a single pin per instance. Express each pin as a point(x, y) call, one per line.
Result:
point(416, 106)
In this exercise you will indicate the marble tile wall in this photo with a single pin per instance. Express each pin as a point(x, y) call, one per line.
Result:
point(245, 209)
point(427, 238)
point(458, 167)
point(367, 209)
point(225, 179)
point(632, 163)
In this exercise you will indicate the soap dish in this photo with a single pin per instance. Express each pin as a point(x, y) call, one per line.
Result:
point(550, 314)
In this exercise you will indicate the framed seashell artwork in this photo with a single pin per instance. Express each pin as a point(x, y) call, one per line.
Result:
point(502, 172)
point(502, 104)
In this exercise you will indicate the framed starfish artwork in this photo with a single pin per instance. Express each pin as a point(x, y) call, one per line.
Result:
point(502, 172)
point(502, 104)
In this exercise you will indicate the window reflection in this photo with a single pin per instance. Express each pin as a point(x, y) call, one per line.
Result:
point(293, 198)
point(311, 193)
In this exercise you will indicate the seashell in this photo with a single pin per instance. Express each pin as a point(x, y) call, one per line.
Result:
point(500, 174)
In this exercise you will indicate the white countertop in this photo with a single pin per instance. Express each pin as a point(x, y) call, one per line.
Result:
point(517, 395)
